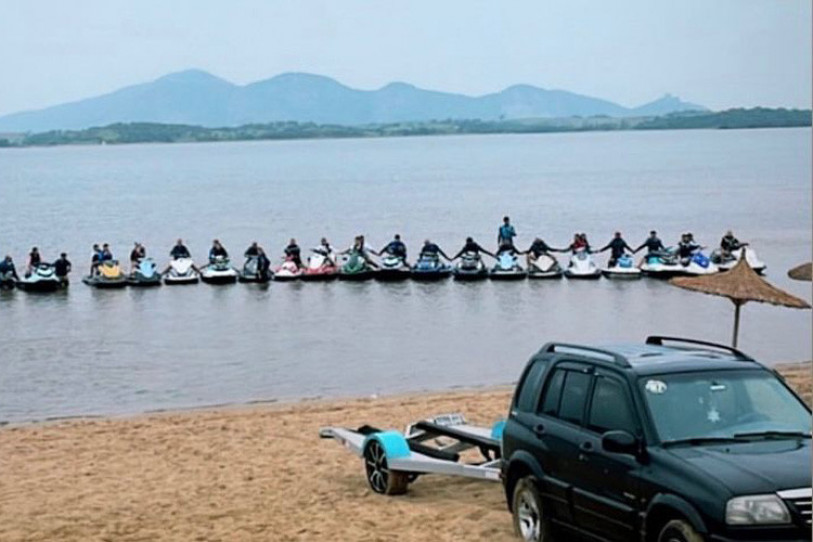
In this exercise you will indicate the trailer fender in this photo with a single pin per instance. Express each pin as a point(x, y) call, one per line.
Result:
point(393, 442)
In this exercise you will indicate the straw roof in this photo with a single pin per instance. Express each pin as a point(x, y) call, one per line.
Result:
point(802, 272)
point(741, 284)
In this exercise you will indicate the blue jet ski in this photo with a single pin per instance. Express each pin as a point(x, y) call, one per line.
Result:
point(429, 267)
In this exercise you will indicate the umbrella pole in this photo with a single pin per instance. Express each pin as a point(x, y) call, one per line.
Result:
point(736, 323)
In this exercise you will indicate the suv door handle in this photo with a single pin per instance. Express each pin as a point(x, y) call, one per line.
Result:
point(586, 446)
point(539, 430)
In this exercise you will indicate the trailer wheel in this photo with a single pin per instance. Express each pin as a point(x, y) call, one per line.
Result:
point(530, 521)
point(379, 476)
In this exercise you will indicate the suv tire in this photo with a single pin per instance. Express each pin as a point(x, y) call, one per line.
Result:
point(679, 530)
point(530, 521)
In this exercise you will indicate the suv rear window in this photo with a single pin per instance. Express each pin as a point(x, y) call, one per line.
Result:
point(529, 392)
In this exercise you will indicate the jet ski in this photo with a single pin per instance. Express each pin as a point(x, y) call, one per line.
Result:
point(544, 267)
point(724, 263)
point(624, 268)
point(582, 266)
point(251, 271)
point(320, 267)
point(219, 271)
point(661, 264)
point(108, 275)
point(507, 268)
point(181, 271)
point(356, 268)
point(146, 274)
point(470, 267)
point(429, 267)
point(42, 279)
point(393, 268)
point(698, 264)
point(288, 271)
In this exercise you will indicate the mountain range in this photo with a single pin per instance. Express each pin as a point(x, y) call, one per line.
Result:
point(195, 97)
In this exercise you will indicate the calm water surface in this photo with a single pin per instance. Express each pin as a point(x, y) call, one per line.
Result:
point(113, 352)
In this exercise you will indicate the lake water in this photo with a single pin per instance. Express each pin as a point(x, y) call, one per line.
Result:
point(116, 352)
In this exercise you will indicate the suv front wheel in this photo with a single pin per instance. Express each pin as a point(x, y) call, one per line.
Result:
point(679, 530)
point(530, 522)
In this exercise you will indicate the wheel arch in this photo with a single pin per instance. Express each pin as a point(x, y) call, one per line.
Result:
point(664, 508)
point(521, 464)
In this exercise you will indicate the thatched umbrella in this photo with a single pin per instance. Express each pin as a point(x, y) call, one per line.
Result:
point(802, 272)
point(741, 284)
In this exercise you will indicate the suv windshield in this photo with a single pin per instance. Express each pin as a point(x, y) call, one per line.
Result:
point(720, 405)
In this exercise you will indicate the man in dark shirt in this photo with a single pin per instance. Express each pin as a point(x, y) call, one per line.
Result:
point(473, 248)
point(431, 250)
point(293, 252)
point(7, 267)
point(62, 267)
point(217, 250)
point(617, 246)
point(179, 251)
point(652, 244)
point(396, 247)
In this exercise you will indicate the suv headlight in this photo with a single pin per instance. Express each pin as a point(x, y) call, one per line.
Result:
point(756, 510)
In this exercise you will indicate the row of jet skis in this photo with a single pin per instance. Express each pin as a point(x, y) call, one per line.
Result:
point(322, 267)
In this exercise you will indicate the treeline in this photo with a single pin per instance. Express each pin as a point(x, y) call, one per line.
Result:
point(145, 132)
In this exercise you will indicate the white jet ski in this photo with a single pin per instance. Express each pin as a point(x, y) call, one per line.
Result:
point(544, 267)
point(42, 279)
point(181, 271)
point(724, 263)
point(624, 268)
point(219, 271)
point(582, 266)
point(699, 264)
point(661, 264)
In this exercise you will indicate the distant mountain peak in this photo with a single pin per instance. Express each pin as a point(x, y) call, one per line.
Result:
point(193, 75)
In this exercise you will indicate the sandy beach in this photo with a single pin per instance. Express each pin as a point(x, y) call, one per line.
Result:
point(255, 472)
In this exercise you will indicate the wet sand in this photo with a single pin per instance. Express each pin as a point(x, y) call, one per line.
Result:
point(244, 473)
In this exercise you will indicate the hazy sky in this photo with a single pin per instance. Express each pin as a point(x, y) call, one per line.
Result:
point(718, 53)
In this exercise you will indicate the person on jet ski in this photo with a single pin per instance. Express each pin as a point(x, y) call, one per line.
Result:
point(431, 250)
point(617, 246)
point(326, 250)
point(107, 254)
point(95, 260)
point(179, 251)
point(539, 248)
point(7, 266)
point(579, 243)
point(263, 262)
point(136, 255)
point(729, 243)
point(34, 260)
point(652, 244)
point(472, 247)
point(506, 233)
point(216, 251)
point(686, 248)
point(292, 252)
point(62, 267)
point(396, 248)
point(359, 248)
point(252, 251)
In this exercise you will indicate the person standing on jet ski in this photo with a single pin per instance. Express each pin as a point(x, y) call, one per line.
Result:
point(293, 252)
point(396, 248)
point(34, 260)
point(617, 246)
point(216, 251)
point(95, 260)
point(358, 247)
point(62, 267)
point(653, 244)
point(729, 243)
point(506, 233)
point(7, 266)
point(473, 248)
point(431, 250)
point(136, 255)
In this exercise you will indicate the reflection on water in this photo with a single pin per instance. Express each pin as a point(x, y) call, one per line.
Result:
point(119, 351)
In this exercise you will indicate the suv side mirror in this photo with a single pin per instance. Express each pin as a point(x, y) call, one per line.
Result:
point(620, 442)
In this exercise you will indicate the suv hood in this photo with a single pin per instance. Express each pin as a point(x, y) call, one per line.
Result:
point(753, 467)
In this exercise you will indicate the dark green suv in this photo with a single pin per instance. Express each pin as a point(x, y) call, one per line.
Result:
point(672, 440)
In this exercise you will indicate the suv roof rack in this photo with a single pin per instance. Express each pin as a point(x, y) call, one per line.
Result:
point(615, 357)
point(658, 340)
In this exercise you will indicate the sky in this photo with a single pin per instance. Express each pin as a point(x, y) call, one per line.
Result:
point(717, 53)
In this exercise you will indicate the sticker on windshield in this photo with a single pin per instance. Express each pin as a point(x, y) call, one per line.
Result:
point(656, 386)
